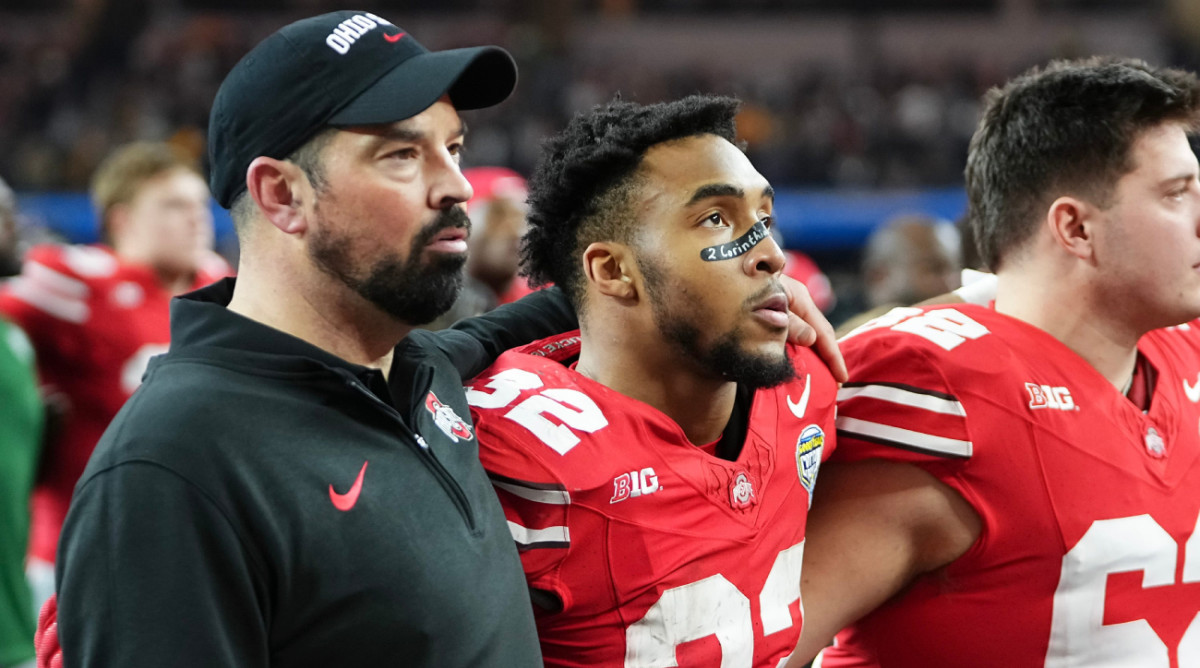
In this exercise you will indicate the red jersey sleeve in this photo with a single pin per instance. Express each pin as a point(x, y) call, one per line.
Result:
point(535, 501)
point(50, 298)
point(913, 377)
point(47, 291)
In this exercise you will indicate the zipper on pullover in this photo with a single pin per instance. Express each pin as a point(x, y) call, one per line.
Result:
point(417, 442)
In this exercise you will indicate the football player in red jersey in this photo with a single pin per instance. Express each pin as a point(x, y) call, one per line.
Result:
point(97, 313)
point(1018, 484)
point(657, 488)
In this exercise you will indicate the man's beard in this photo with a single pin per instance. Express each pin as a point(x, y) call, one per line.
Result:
point(725, 357)
point(408, 289)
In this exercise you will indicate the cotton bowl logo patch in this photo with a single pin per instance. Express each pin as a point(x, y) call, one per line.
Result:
point(447, 420)
point(808, 457)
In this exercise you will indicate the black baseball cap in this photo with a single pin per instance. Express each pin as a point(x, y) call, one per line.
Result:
point(340, 69)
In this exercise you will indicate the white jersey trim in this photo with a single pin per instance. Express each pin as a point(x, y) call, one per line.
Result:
point(904, 438)
point(526, 537)
point(551, 496)
point(898, 395)
point(55, 280)
point(38, 295)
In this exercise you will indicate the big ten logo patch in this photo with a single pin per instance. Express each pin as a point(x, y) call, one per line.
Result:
point(1045, 396)
point(634, 484)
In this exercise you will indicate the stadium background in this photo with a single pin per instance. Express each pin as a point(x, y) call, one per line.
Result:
point(856, 110)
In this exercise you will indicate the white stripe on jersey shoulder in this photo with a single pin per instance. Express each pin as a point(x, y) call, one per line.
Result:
point(554, 536)
point(37, 295)
point(903, 438)
point(55, 280)
point(558, 497)
point(541, 492)
point(905, 395)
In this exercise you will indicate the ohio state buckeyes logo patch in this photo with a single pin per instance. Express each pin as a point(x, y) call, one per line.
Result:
point(741, 491)
point(447, 420)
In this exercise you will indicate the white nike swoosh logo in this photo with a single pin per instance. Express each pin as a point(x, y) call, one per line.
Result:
point(798, 407)
point(1192, 391)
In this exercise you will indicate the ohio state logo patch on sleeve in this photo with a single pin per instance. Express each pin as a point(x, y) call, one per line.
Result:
point(447, 420)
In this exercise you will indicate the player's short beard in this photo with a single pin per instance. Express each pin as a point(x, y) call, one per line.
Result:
point(409, 289)
point(725, 356)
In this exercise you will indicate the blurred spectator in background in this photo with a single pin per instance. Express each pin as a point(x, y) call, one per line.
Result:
point(10, 258)
point(907, 260)
point(804, 269)
point(21, 422)
point(97, 313)
point(497, 211)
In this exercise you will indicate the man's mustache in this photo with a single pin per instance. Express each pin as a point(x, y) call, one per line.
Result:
point(448, 218)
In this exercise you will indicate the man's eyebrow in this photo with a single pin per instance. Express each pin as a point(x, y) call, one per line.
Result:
point(715, 190)
point(1185, 176)
point(725, 190)
point(409, 135)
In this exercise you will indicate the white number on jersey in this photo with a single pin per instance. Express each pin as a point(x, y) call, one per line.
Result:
point(714, 607)
point(946, 327)
point(1078, 635)
point(574, 409)
point(135, 367)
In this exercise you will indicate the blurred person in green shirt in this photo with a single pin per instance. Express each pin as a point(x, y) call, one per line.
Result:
point(21, 422)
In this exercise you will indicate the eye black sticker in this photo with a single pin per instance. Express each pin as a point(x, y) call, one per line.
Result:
point(739, 246)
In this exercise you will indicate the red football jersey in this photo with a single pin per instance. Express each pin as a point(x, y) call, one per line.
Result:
point(95, 322)
point(1088, 554)
point(661, 553)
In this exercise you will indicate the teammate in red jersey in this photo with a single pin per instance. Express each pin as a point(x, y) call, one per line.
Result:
point(657, 488)
point(97, 313)
point(1019, 484)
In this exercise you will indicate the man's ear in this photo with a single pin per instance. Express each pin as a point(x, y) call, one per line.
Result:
point(610, 268)
point(280, 189)
point(1071, 222)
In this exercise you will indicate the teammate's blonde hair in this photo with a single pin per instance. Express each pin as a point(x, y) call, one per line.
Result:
point(119, 178)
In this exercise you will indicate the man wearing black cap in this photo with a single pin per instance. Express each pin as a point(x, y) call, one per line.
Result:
point(265, 499)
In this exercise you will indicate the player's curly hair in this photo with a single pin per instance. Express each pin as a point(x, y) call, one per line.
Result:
point(1065, 129)
point(581, 190)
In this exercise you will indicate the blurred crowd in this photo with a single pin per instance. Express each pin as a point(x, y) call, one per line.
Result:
point(69, 95)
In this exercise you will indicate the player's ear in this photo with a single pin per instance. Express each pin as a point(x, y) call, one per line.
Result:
point(1071, 224)
point(280, 189)
point(610, 268)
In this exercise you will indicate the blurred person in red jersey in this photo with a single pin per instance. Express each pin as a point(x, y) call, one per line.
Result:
point(497, 211)
point(97, 313)
point(1017, 480)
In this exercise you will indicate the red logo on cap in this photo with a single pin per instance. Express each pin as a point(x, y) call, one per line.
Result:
point(394, 38)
